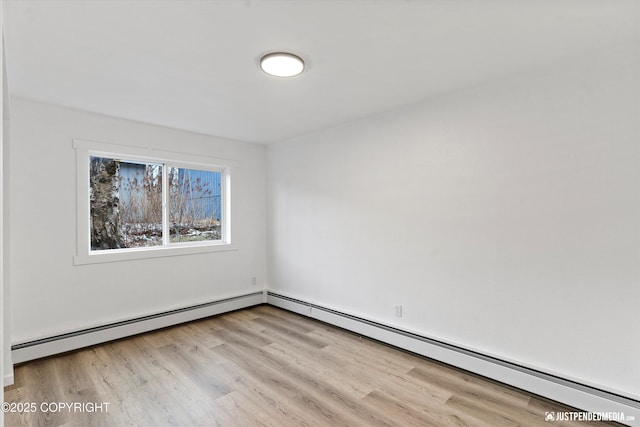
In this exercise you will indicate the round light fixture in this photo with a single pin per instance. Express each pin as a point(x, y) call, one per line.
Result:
point(282, 64)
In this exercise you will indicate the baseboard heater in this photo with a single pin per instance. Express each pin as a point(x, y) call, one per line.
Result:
point(581, 396)
point(569, 392)
point(39, 348)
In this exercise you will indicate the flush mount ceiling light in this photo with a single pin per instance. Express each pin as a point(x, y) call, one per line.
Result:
point(282, 64)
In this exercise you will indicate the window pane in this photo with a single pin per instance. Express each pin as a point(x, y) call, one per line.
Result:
point(194, 205)
point(126, 204)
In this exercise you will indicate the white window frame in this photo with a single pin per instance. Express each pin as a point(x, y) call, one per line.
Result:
point(87, 149)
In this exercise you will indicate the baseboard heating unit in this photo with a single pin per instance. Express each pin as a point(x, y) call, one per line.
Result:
point(36, 349)
point(581, 396)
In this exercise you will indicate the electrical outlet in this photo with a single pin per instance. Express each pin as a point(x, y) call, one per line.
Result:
point(398, 311)
point(254, 281)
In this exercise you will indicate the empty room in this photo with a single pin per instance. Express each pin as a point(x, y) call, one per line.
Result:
point(320, 213)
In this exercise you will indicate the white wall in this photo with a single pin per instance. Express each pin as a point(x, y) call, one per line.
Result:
point(7, 373)
point(504, 218)
point(3, 311)
point(49, 294)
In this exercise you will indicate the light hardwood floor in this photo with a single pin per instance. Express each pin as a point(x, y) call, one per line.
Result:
point(263, 366)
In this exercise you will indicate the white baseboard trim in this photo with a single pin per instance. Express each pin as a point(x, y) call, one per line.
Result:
point(37, 349)
point(571, 393)
point(8, 380)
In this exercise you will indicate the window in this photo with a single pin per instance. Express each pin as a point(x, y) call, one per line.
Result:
point(195, 208)
point(135, 203)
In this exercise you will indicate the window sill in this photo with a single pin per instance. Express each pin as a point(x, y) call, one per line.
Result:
point(147, 253)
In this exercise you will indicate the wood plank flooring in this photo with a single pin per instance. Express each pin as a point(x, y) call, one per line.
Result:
point(261, 366)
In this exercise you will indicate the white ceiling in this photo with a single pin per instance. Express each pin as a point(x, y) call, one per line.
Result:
point(194, 64)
